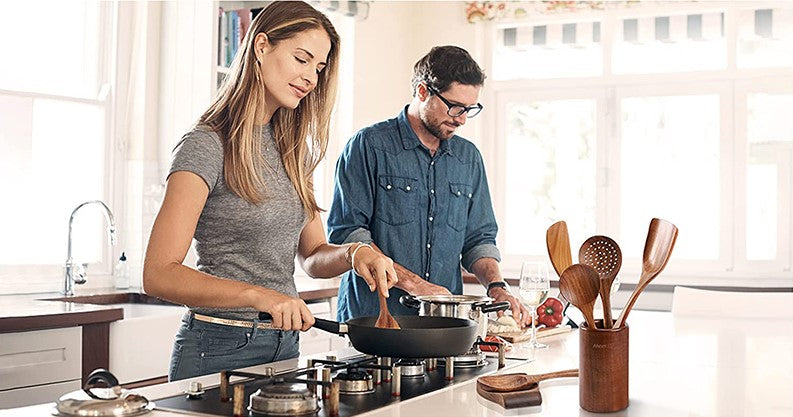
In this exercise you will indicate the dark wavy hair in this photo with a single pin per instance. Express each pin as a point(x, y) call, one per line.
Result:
point(444, 65)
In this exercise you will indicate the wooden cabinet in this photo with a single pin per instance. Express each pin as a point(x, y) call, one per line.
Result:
point(38, 366)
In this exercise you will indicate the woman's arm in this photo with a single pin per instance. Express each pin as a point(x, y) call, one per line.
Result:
point(164, 275)
point(322, 260)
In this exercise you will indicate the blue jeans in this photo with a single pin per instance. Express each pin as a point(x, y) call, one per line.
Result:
point(204, 348)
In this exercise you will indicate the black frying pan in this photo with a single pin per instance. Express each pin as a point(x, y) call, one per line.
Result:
point(417, 337)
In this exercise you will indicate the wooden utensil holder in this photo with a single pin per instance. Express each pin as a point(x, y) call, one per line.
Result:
point(603, 368)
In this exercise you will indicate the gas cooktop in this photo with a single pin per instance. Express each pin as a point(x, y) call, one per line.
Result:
point(329, 387)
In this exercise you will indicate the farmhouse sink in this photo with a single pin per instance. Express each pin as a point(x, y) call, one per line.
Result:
point(139, 344)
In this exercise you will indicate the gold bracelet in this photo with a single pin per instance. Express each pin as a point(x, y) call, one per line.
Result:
point(360, 245)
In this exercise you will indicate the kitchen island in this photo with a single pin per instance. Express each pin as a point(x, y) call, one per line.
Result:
point(679, 366)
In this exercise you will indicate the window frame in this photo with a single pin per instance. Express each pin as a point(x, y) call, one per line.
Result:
point(731, 84)
point(19, 278)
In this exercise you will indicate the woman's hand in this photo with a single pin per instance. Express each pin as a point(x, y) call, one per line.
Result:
point(289, 313)
point(375, 268)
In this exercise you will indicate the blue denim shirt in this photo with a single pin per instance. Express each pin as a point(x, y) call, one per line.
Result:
point(428, 213)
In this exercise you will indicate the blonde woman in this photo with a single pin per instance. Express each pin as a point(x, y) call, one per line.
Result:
point(240, 185)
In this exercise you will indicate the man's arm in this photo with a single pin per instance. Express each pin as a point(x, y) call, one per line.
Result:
point(414, 284)
point(487, 271)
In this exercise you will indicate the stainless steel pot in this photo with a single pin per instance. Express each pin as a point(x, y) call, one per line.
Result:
point(472, 307)
point(99, 402)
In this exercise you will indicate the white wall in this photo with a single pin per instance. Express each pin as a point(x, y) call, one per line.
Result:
point(387, 44)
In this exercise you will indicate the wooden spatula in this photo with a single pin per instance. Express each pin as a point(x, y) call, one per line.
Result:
point(385, 320)
point(558, 242)
point(658, 247)
point(517, 382)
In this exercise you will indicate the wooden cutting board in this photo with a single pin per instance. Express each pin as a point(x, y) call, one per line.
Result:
point(526, 335)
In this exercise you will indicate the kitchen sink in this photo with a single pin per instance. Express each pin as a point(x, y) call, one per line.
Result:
point(112, 299)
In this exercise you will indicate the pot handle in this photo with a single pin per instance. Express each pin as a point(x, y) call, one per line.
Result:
point(99, 375)
point(408, 300)
point(322, 324)
point(499, 306)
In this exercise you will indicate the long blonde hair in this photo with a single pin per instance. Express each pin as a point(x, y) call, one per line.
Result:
point(300, 134)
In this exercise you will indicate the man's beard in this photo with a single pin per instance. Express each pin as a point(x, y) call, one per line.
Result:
point(435, 128)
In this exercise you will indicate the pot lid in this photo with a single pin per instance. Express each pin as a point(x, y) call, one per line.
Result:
point(78, 403)
point(454, 299)
point(100, 402)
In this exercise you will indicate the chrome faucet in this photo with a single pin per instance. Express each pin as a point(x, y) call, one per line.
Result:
point(75, 272)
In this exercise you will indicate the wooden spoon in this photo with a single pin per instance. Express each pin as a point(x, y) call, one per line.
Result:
point(658, 247)
point(580, 285)
point(517, 382)
point(558, 242)
point(515, 399)
point(385, 320)
point(604, 256)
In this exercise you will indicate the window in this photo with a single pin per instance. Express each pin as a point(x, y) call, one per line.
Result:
point(683, 116)
point(54, 139)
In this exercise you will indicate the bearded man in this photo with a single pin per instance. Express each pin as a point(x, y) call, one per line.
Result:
point(414, 190)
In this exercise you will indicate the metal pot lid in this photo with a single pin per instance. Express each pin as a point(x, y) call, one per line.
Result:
point(78, 403)
point(453, 299)
point(100, 402)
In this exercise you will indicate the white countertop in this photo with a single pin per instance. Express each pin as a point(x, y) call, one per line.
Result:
point(678, 367)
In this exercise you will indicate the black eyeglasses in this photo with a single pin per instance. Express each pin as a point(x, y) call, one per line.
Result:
point(456, 110)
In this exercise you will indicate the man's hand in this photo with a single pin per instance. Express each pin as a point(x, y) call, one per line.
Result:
point(520, 313)
point(426, 288)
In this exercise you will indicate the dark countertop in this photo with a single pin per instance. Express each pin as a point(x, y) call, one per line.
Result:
point(22, 312)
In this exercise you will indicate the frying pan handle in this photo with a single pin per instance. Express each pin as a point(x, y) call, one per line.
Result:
point(499, 306)
point(330, 326)
point(408, 300)
point(322, 324)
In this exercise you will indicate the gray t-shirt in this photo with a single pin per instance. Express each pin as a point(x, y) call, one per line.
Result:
point(238, 240)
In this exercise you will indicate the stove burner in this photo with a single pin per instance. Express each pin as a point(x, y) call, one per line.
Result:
point(474, 358)
point(411, 368)
point(283, 400)
point(354, 381)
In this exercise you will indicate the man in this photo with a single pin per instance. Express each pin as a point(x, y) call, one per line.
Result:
point(414, 190)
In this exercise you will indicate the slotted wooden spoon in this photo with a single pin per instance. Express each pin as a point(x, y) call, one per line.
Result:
point(517, 382)
point(604, 256)
point(658, 247)
point(558, 242)
point(580, 285)
point(385, 320)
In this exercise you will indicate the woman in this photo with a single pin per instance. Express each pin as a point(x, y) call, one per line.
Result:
point(240, 185)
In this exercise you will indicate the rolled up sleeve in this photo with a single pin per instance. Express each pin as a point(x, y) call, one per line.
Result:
point(353, 193)
point(481, 231)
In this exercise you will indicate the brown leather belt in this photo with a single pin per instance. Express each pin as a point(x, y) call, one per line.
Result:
point(230, 322)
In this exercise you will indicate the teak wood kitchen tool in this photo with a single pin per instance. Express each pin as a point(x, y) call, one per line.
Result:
point(558, 242)
point(603, 364)
point(518, 382)
point(515, 399)
point(661, 239)
point(385, 320)
point(604, 256)
point(580, 284)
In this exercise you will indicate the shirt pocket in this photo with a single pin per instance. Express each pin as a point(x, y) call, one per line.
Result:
point(458, 205)
point(396, 199)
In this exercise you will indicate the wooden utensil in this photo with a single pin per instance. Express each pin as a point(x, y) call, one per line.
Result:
point(658, 247)
point(385, 320)
point(580, 285)
point(604, 256)
point(515, 399)
point(517, 382)
point(558, 242)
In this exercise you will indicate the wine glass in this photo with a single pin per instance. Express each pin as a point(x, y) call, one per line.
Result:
point(534, 286)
